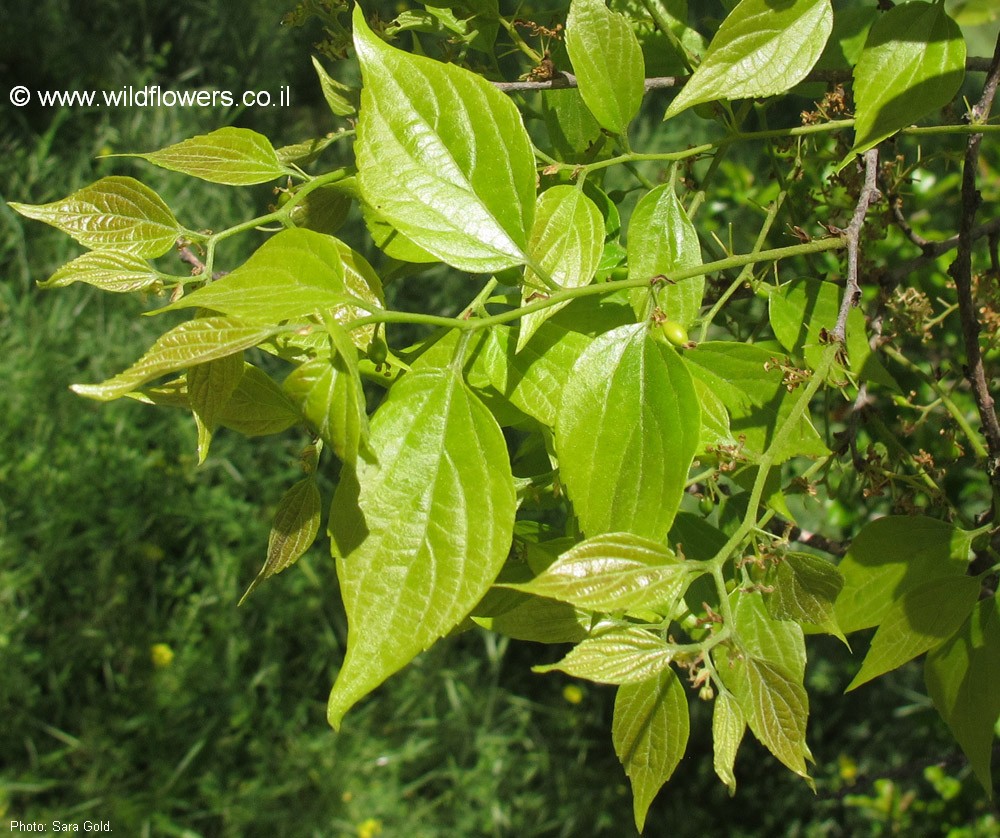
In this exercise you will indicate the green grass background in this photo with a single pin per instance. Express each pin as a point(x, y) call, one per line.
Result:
point(112, 540)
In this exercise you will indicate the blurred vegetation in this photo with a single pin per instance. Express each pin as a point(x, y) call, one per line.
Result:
point(132, 688)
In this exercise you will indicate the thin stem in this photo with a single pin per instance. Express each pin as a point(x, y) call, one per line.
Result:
point(961, 272)
point(869, 194)
point(940, 392)
point(377, 315)
point(745, 274)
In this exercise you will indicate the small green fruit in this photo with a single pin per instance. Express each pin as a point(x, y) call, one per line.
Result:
point(674, 332)
point(377, 351)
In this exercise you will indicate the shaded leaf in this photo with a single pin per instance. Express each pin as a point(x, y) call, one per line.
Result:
point(924, 617)
point(963, 679)
point(329, 393)
point(209, 388)
point(913, 63)
point(745, 378)
point(891, 556)
point(650, 733)
point(805, 589)
point(296, 523)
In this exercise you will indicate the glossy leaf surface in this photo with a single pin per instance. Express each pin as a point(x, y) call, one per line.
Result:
point(421, 532)
point(443, 156)
point(114, 213)
point(762, 48)
point(626, 432)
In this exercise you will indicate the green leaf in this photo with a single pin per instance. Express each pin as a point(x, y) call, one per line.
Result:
point(778, 711)
point(293, 275)
point(533, 378)
point(258, 406)
point(109, 270)
point(115, 213)
point(891, 556)
point(572, 129)
point(714, 418)
point(566, 242)
point(621, 655)
point(805, 589)
point(762, 48)
point(728, 728)
point(802, 309)
point(339, 97)
point(421, 534)
point(616, 572)
point(913, 63)
point(924, 617)
point(295, 526)
point(626, 432)
point(232, 156)
point(537, 620)
point(329, 393)
point(780, 643)
point(323, 210)
point(194, 342)
point(607, 60)
point(209, 388)
point(650, 734)
point(443, 156)
point(746, 380)
point(662, 240)
point(963, 679)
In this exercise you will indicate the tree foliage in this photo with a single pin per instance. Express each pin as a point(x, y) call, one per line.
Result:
point(554, 457)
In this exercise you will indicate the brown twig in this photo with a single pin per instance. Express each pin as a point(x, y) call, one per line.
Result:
point(186, 254)
point(869, 194)
point(562, 81)
point(933, 249)
point(961, 272)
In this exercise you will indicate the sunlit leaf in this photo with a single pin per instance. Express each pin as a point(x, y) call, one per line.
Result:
point(762, 48)
point(662, 240)
point(109, 270)
point(114, 213)
point(626, 432)
point(607, 60)
point(194, 342)
point(616, 572)
point(443, 156)
point(421, 532)
point(232, 156)
point(616, 656)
